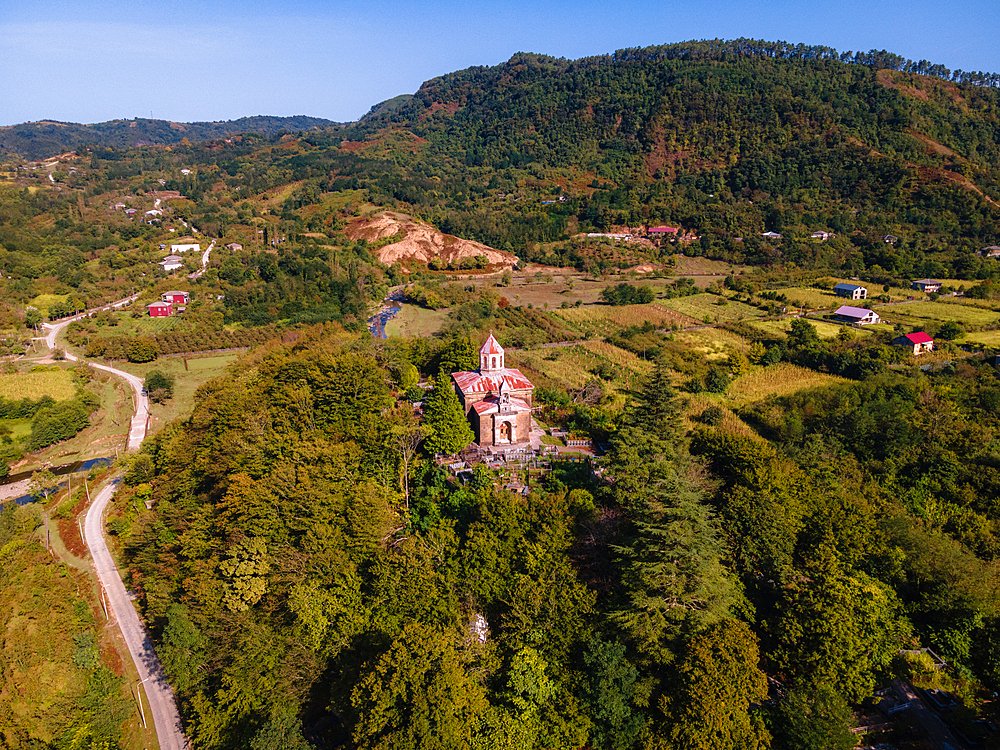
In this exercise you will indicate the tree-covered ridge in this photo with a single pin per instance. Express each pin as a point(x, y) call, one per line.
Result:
point(302, 568)
point(41, 140)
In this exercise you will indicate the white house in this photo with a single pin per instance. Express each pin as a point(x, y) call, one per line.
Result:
point(852, 291)
point(183, 248)
point(858, 316)
point(172, 263)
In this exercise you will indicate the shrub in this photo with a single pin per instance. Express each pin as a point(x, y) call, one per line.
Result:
point(142, 350)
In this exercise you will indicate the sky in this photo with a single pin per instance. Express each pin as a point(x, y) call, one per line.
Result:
point(194, 60)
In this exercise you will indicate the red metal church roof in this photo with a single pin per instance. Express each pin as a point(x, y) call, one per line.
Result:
point(474, 382)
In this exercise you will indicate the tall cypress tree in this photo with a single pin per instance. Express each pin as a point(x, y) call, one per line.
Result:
point(443, 413)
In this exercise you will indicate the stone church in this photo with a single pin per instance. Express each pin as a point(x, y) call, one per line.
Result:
point(497, 398)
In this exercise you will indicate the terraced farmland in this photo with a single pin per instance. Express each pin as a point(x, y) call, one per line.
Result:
point(702, 307)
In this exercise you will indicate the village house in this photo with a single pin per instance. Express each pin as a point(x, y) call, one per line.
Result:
point(993, 251)
point(858, 316)
point(918, 342)
point(662, 231)
point(496, 398)
point(890, 239)
point(851, 291)
point(926, 285)
point(822, 236)
point(771, 235)
point(160, 309)
point(176, 298)
point(172, 263)
point(234, 246)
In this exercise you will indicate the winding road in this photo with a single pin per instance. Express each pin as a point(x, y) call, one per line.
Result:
point(159, 694)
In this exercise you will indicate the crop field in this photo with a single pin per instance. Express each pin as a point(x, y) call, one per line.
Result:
point(144, 326)
point(823, 329)
point(916, 313)
point(702, 306)
point(572, 366)
point(44, 301)
point(415, 321)
point(713, 344)
point(618, 357)
point(55, 383)
point(777, 380)
point(608, 318)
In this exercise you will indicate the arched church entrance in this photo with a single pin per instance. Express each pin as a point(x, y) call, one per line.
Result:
point(505, 436)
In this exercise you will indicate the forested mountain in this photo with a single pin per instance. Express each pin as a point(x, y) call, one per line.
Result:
point(41, 140)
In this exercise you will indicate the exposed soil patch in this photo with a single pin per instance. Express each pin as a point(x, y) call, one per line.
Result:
point(885, 77)
point(421, 242)
point(450, 109)
point(932, 145)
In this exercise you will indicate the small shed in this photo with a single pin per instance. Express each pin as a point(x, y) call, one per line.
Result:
point(160, 309)
point(919, 342)
point(851, 291)
point(858, 316)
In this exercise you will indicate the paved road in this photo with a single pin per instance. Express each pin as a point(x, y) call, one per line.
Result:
point(162, 707)
point(936, 729)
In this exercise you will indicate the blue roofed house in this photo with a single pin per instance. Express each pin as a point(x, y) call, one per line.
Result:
point(852, 291)
point(858, 316)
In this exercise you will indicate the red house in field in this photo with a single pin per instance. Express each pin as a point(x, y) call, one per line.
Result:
point(176, 298)
point(160, 309)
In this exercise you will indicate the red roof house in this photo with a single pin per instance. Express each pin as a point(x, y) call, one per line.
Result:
point(919, 342)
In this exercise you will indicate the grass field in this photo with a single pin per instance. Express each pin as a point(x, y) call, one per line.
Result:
point(915, 313)
point(713, 343)
point(731, 423)
point(608, 318)
point(44, 301)
point(199, 370)
point(778, 380)
point(823, 329)
point(55, 383)
point(986, 338)
point(618, 357)
point(415, 321)
point(702, 306)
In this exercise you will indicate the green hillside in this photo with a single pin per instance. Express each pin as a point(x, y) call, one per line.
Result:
point(41, 140)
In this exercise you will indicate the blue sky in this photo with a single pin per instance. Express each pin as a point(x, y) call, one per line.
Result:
point(186, 60)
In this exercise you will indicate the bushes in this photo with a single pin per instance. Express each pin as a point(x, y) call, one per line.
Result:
point(626, 294)
point(59, 422)
point(159, 386)
point(142, 350)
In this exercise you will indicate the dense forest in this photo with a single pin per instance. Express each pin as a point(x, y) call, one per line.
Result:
point(288, 577)
point(42, 140)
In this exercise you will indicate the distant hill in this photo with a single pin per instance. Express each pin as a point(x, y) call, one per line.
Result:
point(40, 140)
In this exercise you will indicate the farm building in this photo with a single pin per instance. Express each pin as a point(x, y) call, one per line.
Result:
point(771, 235)
point(185, 247)
point(660, 231)
point(919, 342)
point(497, 399)
point(890, 239)
point(926, 285)
point(858, 316)
point(176, 298)
point(851, 291)
point(822, 236)
point(160, 309)
point(172, 263)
